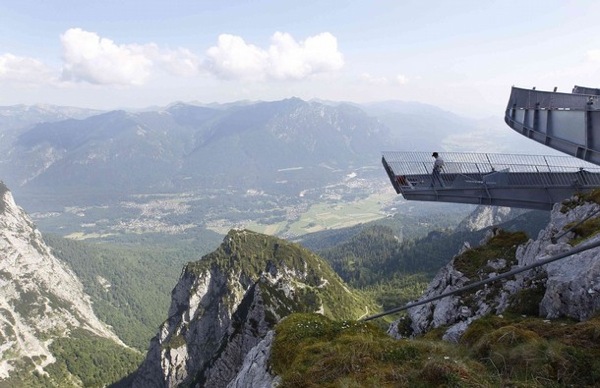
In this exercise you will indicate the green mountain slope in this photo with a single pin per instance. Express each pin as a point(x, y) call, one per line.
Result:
point(130, 284)
point(394, 268)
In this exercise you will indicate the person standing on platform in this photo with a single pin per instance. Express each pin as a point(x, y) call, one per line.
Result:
point(438, 166)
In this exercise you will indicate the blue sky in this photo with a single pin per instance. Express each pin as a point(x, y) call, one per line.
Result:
point(460, 55)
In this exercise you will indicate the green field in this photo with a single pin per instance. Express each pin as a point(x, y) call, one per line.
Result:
point(330, 215)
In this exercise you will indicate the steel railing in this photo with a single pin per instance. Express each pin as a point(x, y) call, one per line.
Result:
point(415, 169)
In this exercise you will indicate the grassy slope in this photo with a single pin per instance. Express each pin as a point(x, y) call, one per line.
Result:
point(311, 350)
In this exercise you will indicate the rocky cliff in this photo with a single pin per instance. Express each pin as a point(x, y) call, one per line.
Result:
point(564, 288)
point(225, 304)
point(40, 297)
point(484, 216)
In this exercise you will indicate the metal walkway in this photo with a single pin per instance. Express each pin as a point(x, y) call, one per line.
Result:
point(524, 181)
point(567, 122)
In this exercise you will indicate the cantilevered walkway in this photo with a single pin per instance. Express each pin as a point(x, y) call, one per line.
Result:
point(523, 181)
point(568, 122)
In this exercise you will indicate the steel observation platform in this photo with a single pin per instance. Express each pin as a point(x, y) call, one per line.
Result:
point(567, 122)
point(522, 181)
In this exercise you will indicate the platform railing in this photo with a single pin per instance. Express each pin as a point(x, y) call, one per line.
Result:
point(413, 170)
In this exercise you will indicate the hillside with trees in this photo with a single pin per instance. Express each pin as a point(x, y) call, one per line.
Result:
point(129, 284)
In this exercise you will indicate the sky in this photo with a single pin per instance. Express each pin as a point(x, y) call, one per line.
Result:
point(462, 56)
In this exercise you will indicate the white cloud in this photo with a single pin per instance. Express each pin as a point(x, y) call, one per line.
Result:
point(180, 62)
point(88, 57)
point(91, 58)
point(285, 59)
point(23, 70)
point(234, 58)
point(292, 60)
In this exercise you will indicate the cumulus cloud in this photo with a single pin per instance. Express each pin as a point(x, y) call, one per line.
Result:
point(285, 59)
point(317, 54)
point(88, 57)
point(23, 69)
point(181, 62)
point(91, 58)
point(234, 58)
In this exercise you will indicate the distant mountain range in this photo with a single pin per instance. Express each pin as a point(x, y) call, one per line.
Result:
point(282, 147)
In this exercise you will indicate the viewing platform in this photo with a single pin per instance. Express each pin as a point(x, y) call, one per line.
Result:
point(523, 181)
point(567, 122)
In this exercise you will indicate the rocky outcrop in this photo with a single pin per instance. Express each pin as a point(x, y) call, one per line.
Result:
point(40, 297)
point(225, 304)
point(249, 325)
point(209, 349)
point(255, 369)
point(564, 288)
point(573, 284)
point(484, 216)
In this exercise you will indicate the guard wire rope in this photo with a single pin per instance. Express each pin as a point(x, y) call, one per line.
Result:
point(555, 238)
point(490, 280)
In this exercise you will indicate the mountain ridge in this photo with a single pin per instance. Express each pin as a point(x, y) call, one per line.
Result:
point(41, 300)
point(281, 146)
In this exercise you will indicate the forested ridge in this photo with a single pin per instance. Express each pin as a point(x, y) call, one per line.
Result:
point(377, 254)
point(130, 284)
point(82, 359)
point(392, 270)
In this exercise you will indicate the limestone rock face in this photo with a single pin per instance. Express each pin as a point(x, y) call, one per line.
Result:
point(484, 216)
point(571, 286)
point(225, 304)
point(438, 313)
point(255, 369)
point(200, 317)
point(40, 297)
